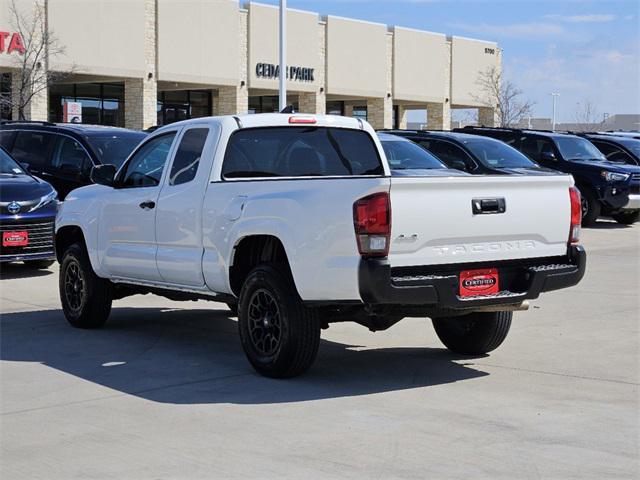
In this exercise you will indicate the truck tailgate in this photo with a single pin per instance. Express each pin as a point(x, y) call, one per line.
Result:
point(433, 220)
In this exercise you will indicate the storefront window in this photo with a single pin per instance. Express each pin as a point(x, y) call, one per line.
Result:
point(335, 108)
point(360, 112)
point(5, 93)
point(267, 104)
point(177, 105)
point(102, 103)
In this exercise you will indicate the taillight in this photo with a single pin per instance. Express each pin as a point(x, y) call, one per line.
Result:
point(576, 215)
point(372, 222)
point(305, 120)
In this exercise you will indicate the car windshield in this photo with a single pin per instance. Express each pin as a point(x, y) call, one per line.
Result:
point(495, 154)
point(114, 147)
point(580, 149)
point(8, 166)
point(406, 155)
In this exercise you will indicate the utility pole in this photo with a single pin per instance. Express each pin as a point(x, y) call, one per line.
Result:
point(283, 55)
point(554, 95)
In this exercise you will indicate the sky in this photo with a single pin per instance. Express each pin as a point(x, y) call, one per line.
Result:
point(587, 51)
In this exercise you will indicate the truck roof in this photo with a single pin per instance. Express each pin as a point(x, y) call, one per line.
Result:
point(277, 120)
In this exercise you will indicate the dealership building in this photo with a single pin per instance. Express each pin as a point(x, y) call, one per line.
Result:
point(140, 63)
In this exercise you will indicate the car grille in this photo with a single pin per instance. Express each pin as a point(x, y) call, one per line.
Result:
point(40, 237)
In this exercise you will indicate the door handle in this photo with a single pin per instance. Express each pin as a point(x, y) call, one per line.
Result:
point(148, 205)
point(481, 206)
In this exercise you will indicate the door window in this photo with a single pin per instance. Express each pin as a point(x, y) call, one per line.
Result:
point(535, 147)
point(187, 158)
point(451, 154)
point(6, 140)
point(70, 157)
point(33, 148)
point(613, 153)
point(147, 164)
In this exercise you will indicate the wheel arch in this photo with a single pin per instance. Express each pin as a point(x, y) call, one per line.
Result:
point(67, 236)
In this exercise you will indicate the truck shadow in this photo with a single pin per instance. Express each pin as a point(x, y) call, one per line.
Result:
point(11, 271)
point(194, 356)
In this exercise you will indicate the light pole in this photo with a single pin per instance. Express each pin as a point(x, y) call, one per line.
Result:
point(554, 95)
point(283, 55)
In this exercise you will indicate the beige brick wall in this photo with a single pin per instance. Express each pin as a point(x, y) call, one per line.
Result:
point(141, 94)
point(38, 106)
point(316, 102)
point(380, 110)
point(234, 100)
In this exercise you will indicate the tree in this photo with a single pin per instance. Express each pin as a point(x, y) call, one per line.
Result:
point(503, 96)
point(586, 116)
point(37, 46)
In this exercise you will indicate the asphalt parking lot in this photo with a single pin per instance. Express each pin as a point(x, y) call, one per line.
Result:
point(164, 391)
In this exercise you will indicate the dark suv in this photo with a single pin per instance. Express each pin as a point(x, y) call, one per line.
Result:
point(64, 154)
point(617, 149)
point(469, 153)
point(606, 187)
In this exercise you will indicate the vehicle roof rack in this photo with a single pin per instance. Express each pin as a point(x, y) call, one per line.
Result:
point(27, 122)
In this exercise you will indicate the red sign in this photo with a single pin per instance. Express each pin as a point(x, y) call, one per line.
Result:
point(15, 239)
point(479, 282)
point(11, 42)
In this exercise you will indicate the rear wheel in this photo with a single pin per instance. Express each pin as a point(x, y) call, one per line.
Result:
point(590, 207)
point(39, 264)
point(86, 298)
point(279, 335)
point(627, 218)
point(475, 333)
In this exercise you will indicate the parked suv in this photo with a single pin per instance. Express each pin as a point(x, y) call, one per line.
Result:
point(605, 186)
point(64, 154)
point(479, 156)
point(618, 149)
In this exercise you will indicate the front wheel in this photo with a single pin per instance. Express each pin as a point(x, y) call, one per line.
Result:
point(86, 298)
point(475, 333)
point(627, 218)
point(590, 207)
point(279, 335)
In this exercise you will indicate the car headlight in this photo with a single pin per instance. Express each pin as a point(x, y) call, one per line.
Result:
point(614, 177)
point(46, 200)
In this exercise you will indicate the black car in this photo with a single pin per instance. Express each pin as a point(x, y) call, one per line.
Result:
point(616, 148)
point(607, 188)
point(64, 154)
point(469, 153)
point(28, 208)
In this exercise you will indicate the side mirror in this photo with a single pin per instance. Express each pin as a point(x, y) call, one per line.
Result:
point(458, 165)
point(548, 155)
point(104, 175)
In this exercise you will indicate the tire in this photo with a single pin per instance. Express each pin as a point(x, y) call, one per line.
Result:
point(590, 207)
point(279, 335)
point(473, 334)
point(39, 264)
point(86, 298)
point(233, 308)
point(627, 218)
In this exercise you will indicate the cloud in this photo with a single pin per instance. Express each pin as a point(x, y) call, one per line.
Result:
point(515, 30)
point(586, 18)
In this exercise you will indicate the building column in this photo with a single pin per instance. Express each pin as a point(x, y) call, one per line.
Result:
point(348, 110)
point(402, 117)
point(140, 103)
point(487, 117)
point(38, 107)
point(141, 94)
point(380, 112)
point(233, 100)
point(312, 102)
point(438, 116)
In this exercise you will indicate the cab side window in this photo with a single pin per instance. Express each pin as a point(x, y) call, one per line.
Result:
point(70, 157)
point(145, 167)
point(33, 148)
point(187, 158)
point(451, 154)
point(537, 148)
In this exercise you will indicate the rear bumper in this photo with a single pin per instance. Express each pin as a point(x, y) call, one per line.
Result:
point(523, 280)
point(26, 257)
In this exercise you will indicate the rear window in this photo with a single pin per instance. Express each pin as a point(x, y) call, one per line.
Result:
point(300, 152)
point(496, 154)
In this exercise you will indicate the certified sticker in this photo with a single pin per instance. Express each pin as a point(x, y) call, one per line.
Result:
point(479, 282)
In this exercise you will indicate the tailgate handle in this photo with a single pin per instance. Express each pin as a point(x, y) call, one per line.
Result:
point(482, 206)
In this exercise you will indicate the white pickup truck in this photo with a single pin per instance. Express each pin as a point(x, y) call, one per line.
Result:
point(298, 221)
